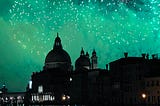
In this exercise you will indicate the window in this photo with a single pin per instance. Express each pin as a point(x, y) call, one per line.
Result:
point(116, 85)
point(147, 84)
point(40, 89)
point(148, 98)
point(152, 84)
point(30, 84)
point(157, 83)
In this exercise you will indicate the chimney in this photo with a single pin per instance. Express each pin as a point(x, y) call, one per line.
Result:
point(106, 66)
point(125, 54)
point(143, 55)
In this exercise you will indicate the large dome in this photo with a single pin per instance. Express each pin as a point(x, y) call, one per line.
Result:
point(57, 55)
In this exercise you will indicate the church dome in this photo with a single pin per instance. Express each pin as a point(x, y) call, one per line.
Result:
point(82, 61)
point(57, 56)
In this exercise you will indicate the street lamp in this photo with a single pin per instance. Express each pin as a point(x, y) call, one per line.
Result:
point(144, 96)
point(63, 97)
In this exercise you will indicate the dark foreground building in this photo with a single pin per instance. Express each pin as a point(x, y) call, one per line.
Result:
point(52, 84)
point(58, 83)
point(135, 80)
point(127, 81)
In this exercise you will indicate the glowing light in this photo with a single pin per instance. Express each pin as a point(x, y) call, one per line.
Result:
point(40, 89)
point(70, 79)
point(68, 97)
point(30, 84)
point(63, 97)
point(144, 95)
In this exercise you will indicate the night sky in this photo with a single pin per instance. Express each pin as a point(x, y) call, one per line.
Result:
point(111, 27)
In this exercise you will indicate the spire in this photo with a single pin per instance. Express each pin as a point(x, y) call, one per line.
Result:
point(94, 52)
point(82, 52)
point(57, 34)
point(87, 54)
point(94, 60)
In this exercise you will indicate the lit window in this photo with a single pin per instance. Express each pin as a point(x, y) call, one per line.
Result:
point(46, 97)
point(30, 84)
point(70, 79)
point(34, 98)
point(52, 98)
point(40, 89)
point(37, 98)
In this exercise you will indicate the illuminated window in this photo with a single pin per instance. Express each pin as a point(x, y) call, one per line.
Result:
point(30, 84)
point(37, 98)
point(70, 79)
point(52, 98)
point(40, 89)
point(43, 97)
point(46, 97)
point(34, 98)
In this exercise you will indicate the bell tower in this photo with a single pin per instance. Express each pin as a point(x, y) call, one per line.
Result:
point(94, 60)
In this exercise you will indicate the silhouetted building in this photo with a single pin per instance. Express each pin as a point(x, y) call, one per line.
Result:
point(58, 83)
point(52, 83)
point(152, 82)
point(126, 81)
point(87, 87)
point(128, 76)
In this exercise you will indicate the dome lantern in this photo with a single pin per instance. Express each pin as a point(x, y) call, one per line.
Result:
point(57, 43)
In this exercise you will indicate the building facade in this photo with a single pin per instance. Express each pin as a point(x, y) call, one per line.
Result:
point(131, 78)
point(58, 83)
point(123, 82)
point(51, 85)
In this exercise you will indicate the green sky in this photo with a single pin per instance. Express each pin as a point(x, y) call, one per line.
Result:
point(111, 27)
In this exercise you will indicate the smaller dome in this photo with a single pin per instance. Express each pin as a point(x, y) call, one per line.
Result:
point(82, 61)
